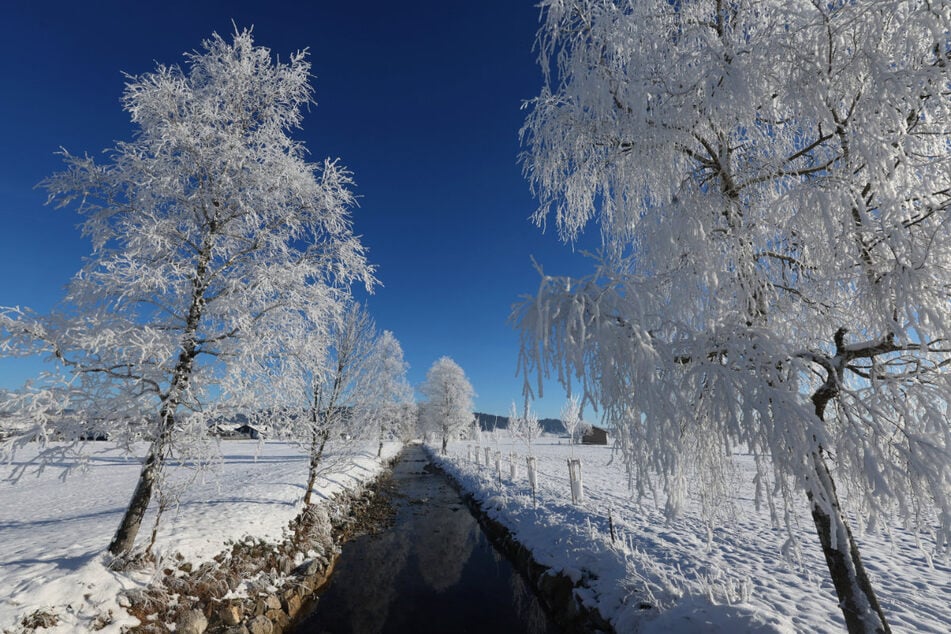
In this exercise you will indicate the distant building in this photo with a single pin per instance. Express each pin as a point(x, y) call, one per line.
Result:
point(252, 431)
point(595, 436)
point(224, 431)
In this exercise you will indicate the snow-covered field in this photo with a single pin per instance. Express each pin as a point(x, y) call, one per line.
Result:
point(54, 531)
point(735, 580)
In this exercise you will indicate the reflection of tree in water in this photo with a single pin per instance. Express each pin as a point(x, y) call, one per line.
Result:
point(368, 602)
point(362, 591)
point(527, 606)
point(445, 545)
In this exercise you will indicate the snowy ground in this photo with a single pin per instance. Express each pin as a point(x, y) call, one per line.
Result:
point(53, 532)
point(738, 582)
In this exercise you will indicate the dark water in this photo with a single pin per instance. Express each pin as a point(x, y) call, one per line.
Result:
point(434, 571)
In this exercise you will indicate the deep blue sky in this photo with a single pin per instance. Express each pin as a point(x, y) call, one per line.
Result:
point(421, 100)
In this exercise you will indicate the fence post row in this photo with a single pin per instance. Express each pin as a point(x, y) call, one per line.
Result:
point(574, 472)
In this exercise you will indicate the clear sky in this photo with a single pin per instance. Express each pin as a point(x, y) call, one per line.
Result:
point(420, 100)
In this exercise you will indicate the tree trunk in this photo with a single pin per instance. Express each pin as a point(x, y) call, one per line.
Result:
point(124, 539)
point(860, 607)
point(863, 614)
point(318, 441)
point(445, 442)
point(379, 449)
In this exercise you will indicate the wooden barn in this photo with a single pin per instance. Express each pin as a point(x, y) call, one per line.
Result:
point(595, 436)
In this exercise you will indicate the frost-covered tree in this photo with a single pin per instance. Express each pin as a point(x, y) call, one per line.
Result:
point(214, 241)
point(525, 426)
point(387, 393)
point(571, 419)
point(407, 427)
point(447, 410)
point(338, 384)
point(771, 183)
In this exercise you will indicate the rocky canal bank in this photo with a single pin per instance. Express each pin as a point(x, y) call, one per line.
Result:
point(257, 587)
point(408, 541)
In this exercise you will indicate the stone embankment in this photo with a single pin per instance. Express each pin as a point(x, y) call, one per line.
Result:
point(257, 587)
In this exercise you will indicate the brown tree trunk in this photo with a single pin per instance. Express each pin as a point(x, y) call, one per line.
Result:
point(124, 539)
point(379, 448)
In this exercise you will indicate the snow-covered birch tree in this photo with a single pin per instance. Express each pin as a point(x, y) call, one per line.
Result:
point(771, 183)
point(572, 420)
point(213, 240)
point(525, 426)
point(448, 407)
point(388, 396)
point(338, 375)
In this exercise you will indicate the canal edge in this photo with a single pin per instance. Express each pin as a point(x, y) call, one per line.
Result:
point(282, 579)
point(555, 590)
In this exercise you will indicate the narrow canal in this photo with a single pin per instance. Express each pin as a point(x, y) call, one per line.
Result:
point(432, 571)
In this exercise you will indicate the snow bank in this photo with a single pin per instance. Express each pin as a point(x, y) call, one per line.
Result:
point(56, 530)
point(731, 579)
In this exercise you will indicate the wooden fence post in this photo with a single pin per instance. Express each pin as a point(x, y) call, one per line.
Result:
point(532, 476)
point(574, 473)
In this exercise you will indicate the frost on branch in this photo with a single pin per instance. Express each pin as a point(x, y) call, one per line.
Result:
point(215, 243)
point(447, 410)
point(771, 183)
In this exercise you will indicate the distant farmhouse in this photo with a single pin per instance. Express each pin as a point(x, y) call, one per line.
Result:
point(595, 436)
point(223, 430)
point(254, 432)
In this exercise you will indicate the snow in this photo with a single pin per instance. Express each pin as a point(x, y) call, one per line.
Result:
point(730, 579)
point(734, 578)
point(56, 530)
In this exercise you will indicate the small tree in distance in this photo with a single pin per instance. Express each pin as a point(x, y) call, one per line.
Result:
point(447, 410)
point(571, 419)
point(525, 426)
point(387, 393)
point(213, 242)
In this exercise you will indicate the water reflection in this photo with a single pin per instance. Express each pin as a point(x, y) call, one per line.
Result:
point(433, 571)
point(368, 603)
point(444, 546)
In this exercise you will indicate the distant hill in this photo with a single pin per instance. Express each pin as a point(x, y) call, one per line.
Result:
point(488, 422)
